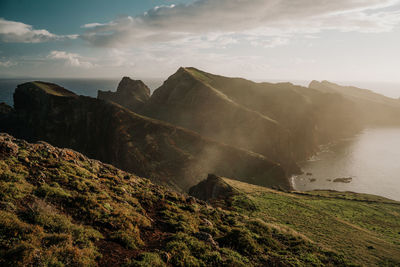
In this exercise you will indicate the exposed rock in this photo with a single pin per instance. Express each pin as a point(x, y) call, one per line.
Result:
point(131, 94)
point(165, 256)
point(343, 180)
point(212, 188)
point(4, 108)
point(105, 131)
point(7, 147)
point(266, 118)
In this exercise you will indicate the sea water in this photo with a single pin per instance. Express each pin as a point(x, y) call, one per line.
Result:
point(371, 159)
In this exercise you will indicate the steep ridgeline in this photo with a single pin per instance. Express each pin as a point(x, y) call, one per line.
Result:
point(283, 122)
point(149, 148)
point(376, 109)
point(131, 94)
point(59, 208)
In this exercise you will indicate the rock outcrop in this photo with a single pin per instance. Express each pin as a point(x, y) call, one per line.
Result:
point(132, 94)
point(212, 188)
point(105, 131)
point(5, 109)
point(283, 122)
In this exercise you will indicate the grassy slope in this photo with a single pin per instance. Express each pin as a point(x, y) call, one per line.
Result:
point(59, 208)
point(53, 89)
point(365, 228)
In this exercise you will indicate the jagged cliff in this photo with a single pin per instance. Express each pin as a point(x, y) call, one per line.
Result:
point(132, 94)
point(283, 122)
point(105, 131)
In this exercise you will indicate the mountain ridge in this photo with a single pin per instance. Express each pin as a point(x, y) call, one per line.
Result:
point(131, 94)
point(165, 153)
point(235, 111)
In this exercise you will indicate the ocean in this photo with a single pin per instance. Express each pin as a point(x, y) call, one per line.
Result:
point(86, 87)
point(369, 162)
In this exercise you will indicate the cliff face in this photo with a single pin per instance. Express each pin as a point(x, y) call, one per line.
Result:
point(131, 94)
point(375, 109)
point(186, 101)
point(166, 154)
point(283, 122)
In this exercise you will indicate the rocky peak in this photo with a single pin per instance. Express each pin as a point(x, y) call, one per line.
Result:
point(131, 94)
point(313, 84)
point(134, 87)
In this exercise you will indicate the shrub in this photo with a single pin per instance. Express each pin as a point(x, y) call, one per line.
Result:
point(54, 192)
point(147, 259)
point(241, 241)
point(130, 240)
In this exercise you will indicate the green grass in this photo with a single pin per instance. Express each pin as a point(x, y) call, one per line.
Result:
point(364, 228)
point(61, 209)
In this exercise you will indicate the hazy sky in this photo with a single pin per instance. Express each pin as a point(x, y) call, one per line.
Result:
point(341, 40)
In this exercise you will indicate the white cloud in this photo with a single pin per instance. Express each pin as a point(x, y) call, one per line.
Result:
point(257, 18)
point(18, 32)
point(268, 43)
point(91, 25)
point(7, 64)
point(70, 59)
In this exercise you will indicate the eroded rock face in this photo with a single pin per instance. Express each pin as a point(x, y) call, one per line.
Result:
point(283, 122)
point(132, 94)
point(212, 188)
point(164, 153)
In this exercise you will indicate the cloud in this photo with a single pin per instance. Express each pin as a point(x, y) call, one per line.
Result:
point(70, 59)
point(7, 64)
point(268, 43)
point(257, 18)
point(18, 32)
point(91, 25)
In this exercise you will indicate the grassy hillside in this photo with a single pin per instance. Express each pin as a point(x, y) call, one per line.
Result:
point(364, 228)
point(59, 208)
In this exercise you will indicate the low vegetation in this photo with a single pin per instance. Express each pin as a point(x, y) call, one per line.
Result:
point(363, 228)
point(59, 208)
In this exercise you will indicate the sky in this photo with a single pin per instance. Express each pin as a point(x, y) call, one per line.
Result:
point(341, 40)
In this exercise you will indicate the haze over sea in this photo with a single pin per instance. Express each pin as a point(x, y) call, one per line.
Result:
point(370, 159)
